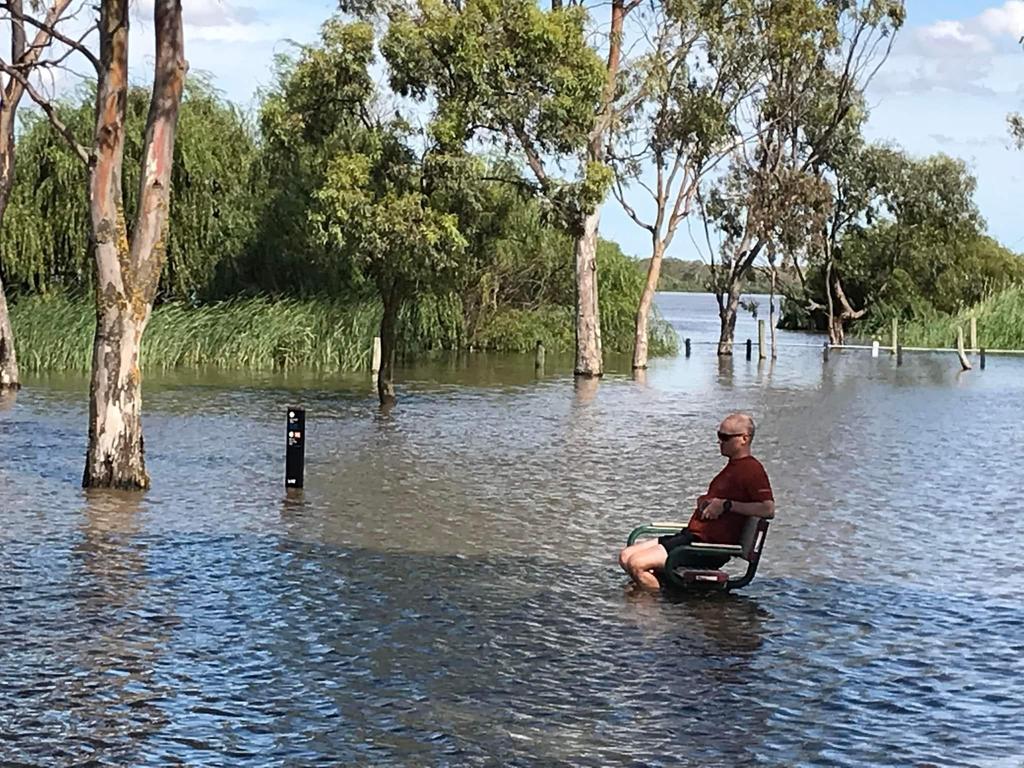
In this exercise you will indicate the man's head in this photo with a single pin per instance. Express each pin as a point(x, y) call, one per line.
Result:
point(735, 434)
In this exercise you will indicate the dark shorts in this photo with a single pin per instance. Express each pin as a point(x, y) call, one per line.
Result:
point(691, 559)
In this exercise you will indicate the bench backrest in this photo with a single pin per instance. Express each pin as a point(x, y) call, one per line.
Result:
point(752, 538)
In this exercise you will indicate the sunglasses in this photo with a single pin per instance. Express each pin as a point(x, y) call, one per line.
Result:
point(725, 436)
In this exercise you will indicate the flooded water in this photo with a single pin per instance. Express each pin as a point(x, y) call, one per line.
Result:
point(444, 592)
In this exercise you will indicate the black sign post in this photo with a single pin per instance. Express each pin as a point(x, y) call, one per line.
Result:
point(295, 450)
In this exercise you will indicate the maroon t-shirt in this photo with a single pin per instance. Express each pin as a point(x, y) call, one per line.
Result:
point(741, 480)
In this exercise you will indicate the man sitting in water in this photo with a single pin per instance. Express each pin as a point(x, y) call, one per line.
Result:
point(741, 490)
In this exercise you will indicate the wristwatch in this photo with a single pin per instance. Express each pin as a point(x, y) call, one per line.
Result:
point(727, 505)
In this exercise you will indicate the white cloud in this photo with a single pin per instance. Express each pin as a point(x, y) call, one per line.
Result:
point(207, 14)
point(1005, 21)
point(952, 38)
point(976, 56)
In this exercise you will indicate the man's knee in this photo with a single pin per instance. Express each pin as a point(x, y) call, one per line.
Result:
point(624, 559)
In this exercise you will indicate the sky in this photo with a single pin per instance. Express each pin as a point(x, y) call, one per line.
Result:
point(956, 70)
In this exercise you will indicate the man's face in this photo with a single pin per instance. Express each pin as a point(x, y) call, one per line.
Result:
point(731, 437)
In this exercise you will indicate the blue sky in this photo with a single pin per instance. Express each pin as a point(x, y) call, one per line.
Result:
point(956, 70)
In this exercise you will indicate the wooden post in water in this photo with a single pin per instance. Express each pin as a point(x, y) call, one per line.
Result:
point(974, 333)
point(964, 362)
point(824, 351)
point(981, 358)
point(375, 356)
point(538, 359)
point(899, 355)
point(687, 347)
point(761, 353)
point(750, 346)
point(895, 335)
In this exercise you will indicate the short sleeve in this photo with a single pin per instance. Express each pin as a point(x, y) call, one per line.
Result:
point(757, 484)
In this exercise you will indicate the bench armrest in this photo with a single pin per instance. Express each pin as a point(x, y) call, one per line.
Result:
point(662, 528)
point(732, 550)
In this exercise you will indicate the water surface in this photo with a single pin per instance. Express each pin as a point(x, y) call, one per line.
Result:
point(444, 591)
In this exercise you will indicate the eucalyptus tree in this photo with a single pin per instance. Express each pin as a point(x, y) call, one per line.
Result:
point(817, 57)
point(524, 79)
point(128, 261)
point(26, 58)
point(679, 118)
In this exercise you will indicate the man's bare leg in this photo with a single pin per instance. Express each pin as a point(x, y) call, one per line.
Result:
point(641, 560)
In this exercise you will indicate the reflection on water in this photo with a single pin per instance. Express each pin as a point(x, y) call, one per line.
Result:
point(444, 592)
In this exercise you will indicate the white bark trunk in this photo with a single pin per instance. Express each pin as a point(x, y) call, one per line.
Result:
point(9, 378)
point(116, 457)
point(127, 272)
point(588, 316)
point(643, 313)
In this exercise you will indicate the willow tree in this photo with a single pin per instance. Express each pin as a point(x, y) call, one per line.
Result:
point(523, 78)
point(211, 221)
point(25, 58)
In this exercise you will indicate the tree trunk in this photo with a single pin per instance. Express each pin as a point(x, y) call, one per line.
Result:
point(643, 313)
point(9, 376)
point(771, 312)
point(128, 272)
point(839, 316)
point(115, 458)
point(836, 331)
point(728, 307)
point(388, 342)
point(589, 361)
point(588, 316)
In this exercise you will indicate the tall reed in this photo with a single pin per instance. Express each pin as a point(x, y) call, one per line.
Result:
point(54, 333)
point(1000, 324)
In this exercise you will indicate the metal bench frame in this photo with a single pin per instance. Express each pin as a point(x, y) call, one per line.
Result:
point(687, 576)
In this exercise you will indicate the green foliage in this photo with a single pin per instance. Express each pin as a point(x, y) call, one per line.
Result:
point(914, 245)
point(329, 202)
point(512, 75)
point(1000, 323)
point(55, 333)
point(45, 238)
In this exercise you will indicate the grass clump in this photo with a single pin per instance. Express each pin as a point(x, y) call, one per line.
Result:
point(1000, 324)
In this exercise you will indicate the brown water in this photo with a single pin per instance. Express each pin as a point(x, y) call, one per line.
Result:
point(445, 593)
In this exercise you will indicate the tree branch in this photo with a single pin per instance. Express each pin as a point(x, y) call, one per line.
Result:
point(51, 114)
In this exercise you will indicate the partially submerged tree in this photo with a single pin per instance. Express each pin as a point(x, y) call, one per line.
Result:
point(26, 58)
point(903, 238)
point(680, 118)
point(524, 79)
point(371, 190)
point(818, 56)
point(128, 262)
